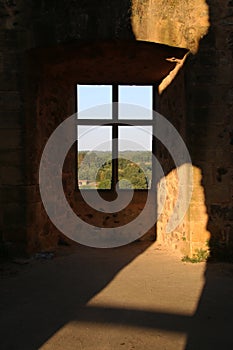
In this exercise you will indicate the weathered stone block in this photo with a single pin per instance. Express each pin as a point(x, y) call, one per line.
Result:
point(10, 100)
point(11, 139)
point(12, 175)
point(11, 120)
point(14, 215)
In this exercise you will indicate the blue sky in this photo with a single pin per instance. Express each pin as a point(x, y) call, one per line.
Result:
point(130, 138)
point(99, 138)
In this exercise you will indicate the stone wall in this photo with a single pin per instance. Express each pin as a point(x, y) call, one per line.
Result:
point(25, 25)
point(198, 102)
point(209, 86)
point(12, 172)
point(180, 23)
point(205, 27)
point(54, 73)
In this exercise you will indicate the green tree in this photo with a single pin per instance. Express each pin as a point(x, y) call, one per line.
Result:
point(105, 184)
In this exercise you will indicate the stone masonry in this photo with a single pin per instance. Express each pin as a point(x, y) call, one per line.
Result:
point(40, 40)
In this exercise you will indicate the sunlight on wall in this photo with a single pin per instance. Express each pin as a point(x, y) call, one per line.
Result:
point(191, 236)
point(179, 23)
point(171, 76)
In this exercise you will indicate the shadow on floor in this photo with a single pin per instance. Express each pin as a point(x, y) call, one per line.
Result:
point(47, 295)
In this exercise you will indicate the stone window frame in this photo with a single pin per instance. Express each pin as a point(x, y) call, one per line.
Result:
point(115, 122)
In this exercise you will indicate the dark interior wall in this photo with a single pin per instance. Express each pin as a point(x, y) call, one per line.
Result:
point(25, 25)
point(54, 73)
point(209, 87)
point(31, 91)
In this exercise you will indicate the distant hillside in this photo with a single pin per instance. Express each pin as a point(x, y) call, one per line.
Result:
point(95, 169)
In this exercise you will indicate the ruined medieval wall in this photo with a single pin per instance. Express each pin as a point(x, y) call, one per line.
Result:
point(25, 25)
point(12, 171)
point(209, 84)
point(207, 101)
point(182, 24)
point(205, 27)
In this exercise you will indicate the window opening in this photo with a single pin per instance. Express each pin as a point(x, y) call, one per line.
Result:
point(114, 139)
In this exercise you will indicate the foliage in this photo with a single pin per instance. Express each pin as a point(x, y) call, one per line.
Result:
point(89, 163)
point(105, 184)
point(96, 168)
point(201, 255)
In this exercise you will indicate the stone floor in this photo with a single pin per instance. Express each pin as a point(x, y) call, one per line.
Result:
point(131, 298)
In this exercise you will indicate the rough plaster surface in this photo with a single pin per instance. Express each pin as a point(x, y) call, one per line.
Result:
point(176, 23)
